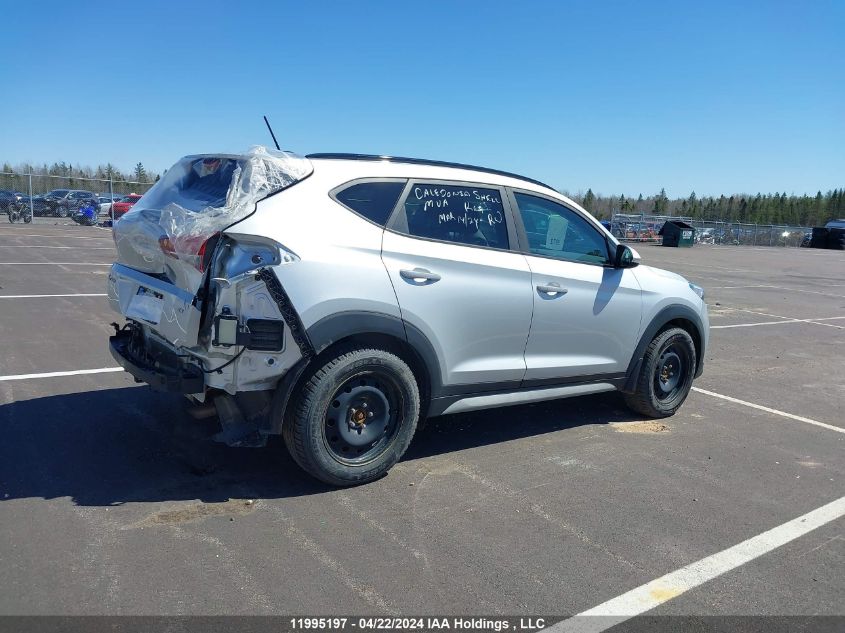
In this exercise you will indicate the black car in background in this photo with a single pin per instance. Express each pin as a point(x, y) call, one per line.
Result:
point(23, 199)
point(7, 198)
point(61, 203)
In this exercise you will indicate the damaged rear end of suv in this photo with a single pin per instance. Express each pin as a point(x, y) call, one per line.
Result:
point(221, 266)
point(206, 315)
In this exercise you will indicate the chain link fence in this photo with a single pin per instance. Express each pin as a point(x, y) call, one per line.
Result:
point(59, 196)
point(646, 228)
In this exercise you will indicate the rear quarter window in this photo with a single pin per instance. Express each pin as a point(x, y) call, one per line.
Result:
point(373, 200)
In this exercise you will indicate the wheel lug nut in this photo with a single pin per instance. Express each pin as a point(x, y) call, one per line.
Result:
point(370, 414)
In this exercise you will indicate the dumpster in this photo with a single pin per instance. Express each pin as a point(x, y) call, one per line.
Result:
point(828, 237)
point(819, 238)
point(677, 233)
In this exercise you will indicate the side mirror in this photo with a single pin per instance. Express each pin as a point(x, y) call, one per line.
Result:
point(626, 257)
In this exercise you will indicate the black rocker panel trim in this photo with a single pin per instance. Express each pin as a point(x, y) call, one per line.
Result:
point(440, 404)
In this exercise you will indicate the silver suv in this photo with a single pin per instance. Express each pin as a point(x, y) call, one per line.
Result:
point(338, 299)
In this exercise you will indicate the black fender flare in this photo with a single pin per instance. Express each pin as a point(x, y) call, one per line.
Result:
point(336, 327)
point(342, 325)
point(666, 315)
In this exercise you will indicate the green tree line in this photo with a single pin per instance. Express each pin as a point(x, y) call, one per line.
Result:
point(62, 175)
point(769, 208)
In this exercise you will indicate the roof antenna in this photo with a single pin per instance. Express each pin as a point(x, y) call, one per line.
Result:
point(271, 133)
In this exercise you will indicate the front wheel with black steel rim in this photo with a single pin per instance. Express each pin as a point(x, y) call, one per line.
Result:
point(354, 418)
point(666, 375)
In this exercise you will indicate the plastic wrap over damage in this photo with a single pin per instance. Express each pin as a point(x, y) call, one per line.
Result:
point(197, 198)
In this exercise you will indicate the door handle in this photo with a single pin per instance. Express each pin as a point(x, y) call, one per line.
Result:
point(553, 290)
point(419, 275)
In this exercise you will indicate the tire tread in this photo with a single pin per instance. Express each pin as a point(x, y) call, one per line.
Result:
point(640, 400)
point(293, 431)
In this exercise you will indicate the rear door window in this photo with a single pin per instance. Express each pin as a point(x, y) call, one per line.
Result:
point(373, 200)
point(465, 214)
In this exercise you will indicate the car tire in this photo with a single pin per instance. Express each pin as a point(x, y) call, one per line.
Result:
point(354, 417)
point(61, 211)
point(666, 375)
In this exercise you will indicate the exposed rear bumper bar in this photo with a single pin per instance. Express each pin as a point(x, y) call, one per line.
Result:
point(168, 372)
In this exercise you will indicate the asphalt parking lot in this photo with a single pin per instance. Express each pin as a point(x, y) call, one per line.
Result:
point(113, 501)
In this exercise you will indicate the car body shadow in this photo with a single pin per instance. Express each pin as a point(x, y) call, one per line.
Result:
point(496, 426)
point(610, 280)
point(115, 446)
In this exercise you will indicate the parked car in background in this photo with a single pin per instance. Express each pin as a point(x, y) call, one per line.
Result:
point(124, 204)
point(8, 199)
point(61, 203)
point(104, 208)
point(336, 299)
point(705, 236)
point(836, 234)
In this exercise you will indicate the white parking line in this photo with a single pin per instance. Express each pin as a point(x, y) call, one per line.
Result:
point(87, 248)
point(80, 294)
point(791, 416)
point(816, 322)
point(57, 236)
point(724, 327)
point(768, 286)
point(771, 287)
point(50, 264)
point(663, 589)
point(768, 314)
point(732, 270)
point(56, 374)
point(786, 320)
point(812, 292)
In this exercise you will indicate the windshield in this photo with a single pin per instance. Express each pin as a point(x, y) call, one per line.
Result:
point(59, 193)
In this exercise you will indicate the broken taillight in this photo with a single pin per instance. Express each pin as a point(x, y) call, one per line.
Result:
point(167, 247)
point(185, 249)
point(206, 251)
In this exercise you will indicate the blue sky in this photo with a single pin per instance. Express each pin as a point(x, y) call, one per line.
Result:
point(622, 97)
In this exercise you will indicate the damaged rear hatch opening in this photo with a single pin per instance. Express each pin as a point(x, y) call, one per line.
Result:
point(202, 303)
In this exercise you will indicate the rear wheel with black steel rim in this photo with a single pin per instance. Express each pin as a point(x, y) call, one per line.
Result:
point(354, 418)
point(666, 375)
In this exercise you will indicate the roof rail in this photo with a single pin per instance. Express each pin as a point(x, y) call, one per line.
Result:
point(423, 161)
